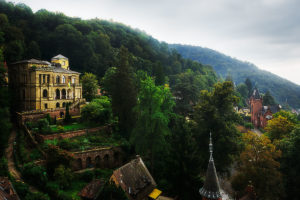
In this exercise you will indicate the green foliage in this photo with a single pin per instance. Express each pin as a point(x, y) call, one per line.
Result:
point(280, 88)
point(259, 167)
point(123, 93)
point(98, 111)
point(37, 196)
point(3, 167)
point(268, 99)
point(67, 118)
point(43, 126)
point(290, 163)
point(64, 176)
point(89, 86)
point(154, 109)
point(186, 87)
point(214, 113)
point(4, 108)
point(35, 174)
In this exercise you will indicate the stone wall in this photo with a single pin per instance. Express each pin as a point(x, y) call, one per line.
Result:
point(36, 115)
point(70, 134)
point(106, 157)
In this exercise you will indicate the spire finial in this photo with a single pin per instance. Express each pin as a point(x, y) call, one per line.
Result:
point(210, 147)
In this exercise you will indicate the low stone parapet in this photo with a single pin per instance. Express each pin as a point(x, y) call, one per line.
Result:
point(70, 134)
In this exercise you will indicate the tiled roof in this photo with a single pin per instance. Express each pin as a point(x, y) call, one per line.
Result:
point(91, 190)
point(33, 61)
point(59, 56)
point(6, 190)
point(135, 179)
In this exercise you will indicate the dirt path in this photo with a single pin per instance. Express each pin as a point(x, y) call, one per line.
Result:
point(9, 153)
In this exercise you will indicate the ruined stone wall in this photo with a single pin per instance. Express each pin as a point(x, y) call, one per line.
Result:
point(106, 157)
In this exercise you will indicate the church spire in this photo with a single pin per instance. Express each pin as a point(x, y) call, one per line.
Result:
point(211, 188)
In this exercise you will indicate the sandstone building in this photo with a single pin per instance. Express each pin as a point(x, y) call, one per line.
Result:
point(42, 85)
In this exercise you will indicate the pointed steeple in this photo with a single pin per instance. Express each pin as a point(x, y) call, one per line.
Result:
point(211, 188)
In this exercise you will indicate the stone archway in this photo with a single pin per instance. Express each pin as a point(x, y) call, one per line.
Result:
point(57, 92)
point(98, 161)
point(89, 162)
point(106, 161)
point(63, 93)
point(78, 164)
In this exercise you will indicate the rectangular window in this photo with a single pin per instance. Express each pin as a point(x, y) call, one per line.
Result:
point(40, 78)
point(73, 80)
point(46, 106)
point(48, 78)
point(44, 78)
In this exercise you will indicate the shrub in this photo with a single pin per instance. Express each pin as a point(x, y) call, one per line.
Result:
point(35, 174)
point(64, 176)
point(43, 126)
point(60, 128)
point(3, 167)
point(37, 196)
point(248, 125)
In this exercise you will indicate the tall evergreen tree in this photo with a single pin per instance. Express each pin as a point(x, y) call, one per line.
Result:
point(124, 95)
point(249, 86)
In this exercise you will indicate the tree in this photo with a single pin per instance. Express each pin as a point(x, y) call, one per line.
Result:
point(183, 166)
point(98, 111)
point(123, 94)
point(268, 99)
point(279, 127)
point(153, 109)
point(214, 113)
point(67, 116)
point(4, 109)
point(258, 166)
point(64, 176)
point(290, 163)
point(249, 86)
point(89, 86)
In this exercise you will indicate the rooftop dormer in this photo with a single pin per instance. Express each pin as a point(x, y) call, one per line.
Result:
point(62, 60)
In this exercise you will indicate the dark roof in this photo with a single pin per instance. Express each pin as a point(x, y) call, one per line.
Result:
point(6, 190)
point(33, 61)
point(256, 94)
point(92, 190)
point(135, 179)
point(211, 188)
point(274, 109)
point(56, 69)
point(59, 56)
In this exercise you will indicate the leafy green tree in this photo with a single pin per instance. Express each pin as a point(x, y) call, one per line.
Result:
point(154, 109)
point(259, 166)
point(37, 196)
point(279, 127)
point(33, 50)
point(98, 111)
point(268, 99)
point(214, 113)
point(67, 116)
point(64, 176)
point(290, 163)
point(89, 86)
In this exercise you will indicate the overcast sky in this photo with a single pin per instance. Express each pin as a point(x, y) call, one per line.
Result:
point(263, 32)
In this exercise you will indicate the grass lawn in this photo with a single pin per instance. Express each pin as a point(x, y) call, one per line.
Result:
point(71, 127)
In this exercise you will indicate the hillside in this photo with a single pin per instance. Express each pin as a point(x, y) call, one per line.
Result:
point(91, 45)
point(280, 88)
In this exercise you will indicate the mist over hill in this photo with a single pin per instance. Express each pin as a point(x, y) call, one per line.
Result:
point(283, 90)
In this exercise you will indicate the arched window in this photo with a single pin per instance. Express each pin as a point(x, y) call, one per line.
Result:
point(57, 94)
point(57, 79)
point(63, 79)
point(57, 105)
point(45, 93)
point(63, 94)
point(64, 104)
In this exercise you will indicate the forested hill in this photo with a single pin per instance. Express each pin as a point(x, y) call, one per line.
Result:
point(280, 88)
point(91, 45)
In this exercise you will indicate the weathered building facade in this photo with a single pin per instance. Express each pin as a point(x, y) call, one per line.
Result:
point(260, 114)
point(41, 85)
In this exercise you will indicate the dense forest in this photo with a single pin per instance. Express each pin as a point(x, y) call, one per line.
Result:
point(161, 106)
point(282, 89)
